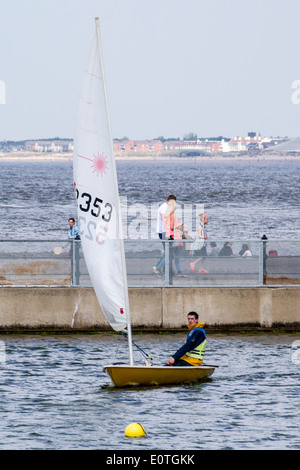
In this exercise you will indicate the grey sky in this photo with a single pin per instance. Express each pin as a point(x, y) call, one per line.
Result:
point(217, 67)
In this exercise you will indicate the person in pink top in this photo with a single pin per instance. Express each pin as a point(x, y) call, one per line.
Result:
point(161, 231)
point(173, 232)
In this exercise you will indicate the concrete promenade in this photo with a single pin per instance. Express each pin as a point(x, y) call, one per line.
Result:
point(65, 309)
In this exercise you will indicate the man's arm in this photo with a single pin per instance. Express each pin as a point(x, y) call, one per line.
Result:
point(73, 232)
point(76, 231)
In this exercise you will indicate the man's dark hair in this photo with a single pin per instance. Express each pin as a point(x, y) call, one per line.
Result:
point(72, 218)
point(195, 314)
point(171, 197)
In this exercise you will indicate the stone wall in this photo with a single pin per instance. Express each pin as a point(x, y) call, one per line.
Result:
point(155, 309)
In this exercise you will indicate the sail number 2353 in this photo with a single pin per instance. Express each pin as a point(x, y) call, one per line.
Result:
point(94, 205)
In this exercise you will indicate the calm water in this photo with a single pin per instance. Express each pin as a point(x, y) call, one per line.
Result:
point(54, 395)
point(243, 200)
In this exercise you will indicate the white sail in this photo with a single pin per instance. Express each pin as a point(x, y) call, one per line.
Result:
point(96, 189)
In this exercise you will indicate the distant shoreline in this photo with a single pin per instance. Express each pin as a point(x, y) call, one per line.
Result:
point(67, 157)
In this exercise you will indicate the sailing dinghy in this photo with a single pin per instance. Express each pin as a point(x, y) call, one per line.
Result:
point(99, 218)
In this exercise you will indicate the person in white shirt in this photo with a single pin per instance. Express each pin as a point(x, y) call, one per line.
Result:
point(245, 251)
point(161, 231)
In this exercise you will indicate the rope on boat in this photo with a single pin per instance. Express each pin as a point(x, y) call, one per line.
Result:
point(138, 347)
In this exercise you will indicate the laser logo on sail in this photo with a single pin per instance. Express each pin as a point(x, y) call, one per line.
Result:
point(99, 163)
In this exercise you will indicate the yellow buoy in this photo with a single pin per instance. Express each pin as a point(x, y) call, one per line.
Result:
point(135, 430)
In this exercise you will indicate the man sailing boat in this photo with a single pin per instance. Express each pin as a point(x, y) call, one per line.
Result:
point(192, 352)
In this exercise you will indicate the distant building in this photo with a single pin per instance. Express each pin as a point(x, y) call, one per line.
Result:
point(243, 144)
point(209, 146)
point(138, 146)
point(143, 146)
point(56, 146)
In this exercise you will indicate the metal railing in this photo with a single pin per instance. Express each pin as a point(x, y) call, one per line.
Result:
point(61, 263)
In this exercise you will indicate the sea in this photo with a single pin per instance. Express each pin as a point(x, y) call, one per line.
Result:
point(54, 392)
point(244, 200)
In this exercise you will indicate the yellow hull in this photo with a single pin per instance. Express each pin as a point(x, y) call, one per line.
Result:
point(123, 376)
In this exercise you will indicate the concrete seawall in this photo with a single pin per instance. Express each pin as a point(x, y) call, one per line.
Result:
point(152, 309)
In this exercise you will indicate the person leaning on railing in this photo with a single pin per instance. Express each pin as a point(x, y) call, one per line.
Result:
point(73, 231)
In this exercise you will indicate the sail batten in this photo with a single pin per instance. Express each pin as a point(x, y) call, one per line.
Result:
point(96, 191)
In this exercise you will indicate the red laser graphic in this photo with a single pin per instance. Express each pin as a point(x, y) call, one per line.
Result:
point(99, 163)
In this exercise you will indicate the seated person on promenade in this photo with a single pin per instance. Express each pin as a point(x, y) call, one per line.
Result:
point(245, 251)
point(226, 250)
point(214, 249)
point(192, 352)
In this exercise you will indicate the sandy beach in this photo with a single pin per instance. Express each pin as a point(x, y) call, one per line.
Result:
point(60, 157)
point(34, 157)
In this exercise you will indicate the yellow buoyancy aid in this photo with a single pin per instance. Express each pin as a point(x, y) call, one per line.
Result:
point(195, 356)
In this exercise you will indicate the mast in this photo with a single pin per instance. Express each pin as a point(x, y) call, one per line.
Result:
point(120, 235)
